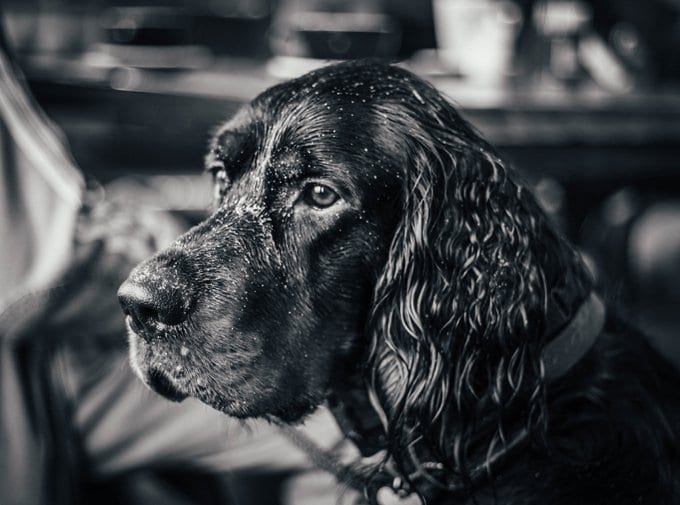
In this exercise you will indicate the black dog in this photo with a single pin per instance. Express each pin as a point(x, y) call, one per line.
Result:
point(367, 247)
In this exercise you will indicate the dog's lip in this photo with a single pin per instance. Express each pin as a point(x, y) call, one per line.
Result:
point(132, 324)
point(162, 383)
point(154, 377)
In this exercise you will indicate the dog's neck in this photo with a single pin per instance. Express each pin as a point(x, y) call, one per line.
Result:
point(575, 328)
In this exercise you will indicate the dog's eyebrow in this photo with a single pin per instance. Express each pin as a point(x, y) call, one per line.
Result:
point(230, 149)
point(287, 166)
point(228, 143)
point(294, 164)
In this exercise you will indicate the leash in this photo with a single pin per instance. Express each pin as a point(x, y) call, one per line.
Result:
point(385, 485)
point(372, 485)
point(326, 460)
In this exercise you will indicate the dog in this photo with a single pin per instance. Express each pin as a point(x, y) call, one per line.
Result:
point(369, 249)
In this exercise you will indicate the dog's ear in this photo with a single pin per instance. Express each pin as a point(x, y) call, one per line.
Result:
point(459, 310)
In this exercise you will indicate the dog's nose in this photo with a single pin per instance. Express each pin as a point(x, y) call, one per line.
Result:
point(153, 299)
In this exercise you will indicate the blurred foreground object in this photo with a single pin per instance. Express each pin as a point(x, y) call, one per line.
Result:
point(40, 193)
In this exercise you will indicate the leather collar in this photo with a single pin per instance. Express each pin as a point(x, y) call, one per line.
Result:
point(575, 340)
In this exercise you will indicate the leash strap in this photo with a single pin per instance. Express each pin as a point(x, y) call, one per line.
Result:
point(325, 460)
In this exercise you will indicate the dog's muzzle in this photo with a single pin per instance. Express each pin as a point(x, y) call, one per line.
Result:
point(156, 295)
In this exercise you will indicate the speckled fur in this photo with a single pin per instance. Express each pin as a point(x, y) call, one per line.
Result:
point(431, 275)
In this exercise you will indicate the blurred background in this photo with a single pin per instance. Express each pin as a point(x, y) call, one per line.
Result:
point(583, 97)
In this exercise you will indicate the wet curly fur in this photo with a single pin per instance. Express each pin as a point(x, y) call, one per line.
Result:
point(430, 276)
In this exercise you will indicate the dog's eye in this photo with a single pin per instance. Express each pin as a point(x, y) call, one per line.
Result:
point(319, 196)
point(220, 179)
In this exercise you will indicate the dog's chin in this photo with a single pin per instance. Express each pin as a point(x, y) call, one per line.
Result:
point(242, 402)
point(294, 414)
point(264, 406)
point(162, 384)
point(158, 380)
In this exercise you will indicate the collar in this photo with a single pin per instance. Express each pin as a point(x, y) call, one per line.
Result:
point(575, 340)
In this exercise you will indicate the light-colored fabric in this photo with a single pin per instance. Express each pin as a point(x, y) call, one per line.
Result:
point(21, 452)
point(39, 199)
point(124, 426)
point(40, 194)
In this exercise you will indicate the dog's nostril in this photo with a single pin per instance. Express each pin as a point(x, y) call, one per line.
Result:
point(142, 319)
point(145, 313)
point(173, 314)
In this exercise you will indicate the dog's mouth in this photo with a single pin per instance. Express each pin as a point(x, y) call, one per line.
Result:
point(162, 384)
point(151, 373)
point(175, 368)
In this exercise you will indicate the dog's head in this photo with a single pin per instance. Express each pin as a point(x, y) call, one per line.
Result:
point(358, 221)
point(252, 310)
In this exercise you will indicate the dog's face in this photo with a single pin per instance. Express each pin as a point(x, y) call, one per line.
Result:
point(360, 222)
point(254, 309)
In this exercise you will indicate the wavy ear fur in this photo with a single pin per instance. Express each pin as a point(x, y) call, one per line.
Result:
point(460, 308)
